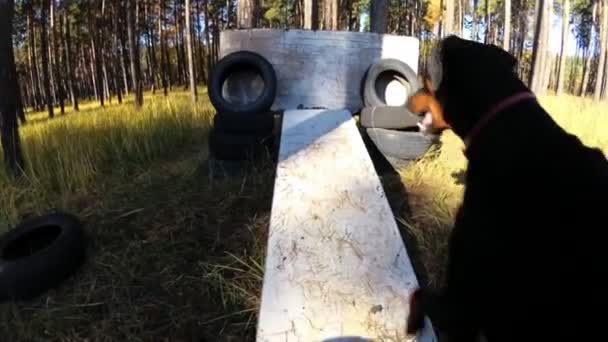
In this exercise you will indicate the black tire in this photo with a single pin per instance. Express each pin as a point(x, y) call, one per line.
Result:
point(238, 61)
point(388, 117)
point(40, 254)
point(261, 123)
point(228, 146)
point(407, 76)
point(400, 144)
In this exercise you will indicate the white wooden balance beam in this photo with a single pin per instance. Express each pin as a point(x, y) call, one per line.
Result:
point(336, 267)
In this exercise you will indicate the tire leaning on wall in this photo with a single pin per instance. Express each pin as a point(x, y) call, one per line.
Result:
point(406, 76)
point(235, 62)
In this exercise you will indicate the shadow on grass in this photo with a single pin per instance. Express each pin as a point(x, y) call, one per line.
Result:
point(163, 261)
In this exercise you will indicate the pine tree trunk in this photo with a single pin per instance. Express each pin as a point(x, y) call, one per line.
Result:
point(161, 36)
point(33, 60)
point(9, 106)
point(563, 52)
point(191, 74)
point(506, 36)
point(152, 46)
point(488, 24)
point(330, 14)
point(208, 37)
point(311, 14)
point(134, 52)
point(448, 21)
point(245, 12)
point(548, 59)
point(538, 49)
point(57, 64)
point(44, 47)
point(67, 56)
point(115, 56)
point(475, 21)
point(180, 62)
point(605, 84)
point(603, 25)
point(200, 61)
point(95, 58)
point(378, 15)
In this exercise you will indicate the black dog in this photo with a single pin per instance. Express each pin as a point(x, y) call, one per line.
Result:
point(528, 255)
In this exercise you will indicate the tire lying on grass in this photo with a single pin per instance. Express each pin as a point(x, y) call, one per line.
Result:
point(388, 117)
point(405, 145)
point(40, 254)
point(242, 61)
point(228, 146)
point(384, 74)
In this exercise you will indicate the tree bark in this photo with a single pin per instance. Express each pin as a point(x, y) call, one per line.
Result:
point(538, 48)
point(506, 35)
point(33, 59)
point(163, 46)
point(475, 22)
point(563, 52)
point(44, 47)
point(57, 59)
point(605, 84)
point(67, 56)
point(311, 14)
point(330, 14)
point(124, 58)
point(548, 59)
point(9, 105)
point(487, 23)
point(246, 13)
point(181, 69)
point(191, 74)
point(134, 53)
point(603, 26)
point(152, 45)
point(582, 91)
point(116, 56)
point(95, 58)
point(208, 36)
point(448, 21)
point(378, 16)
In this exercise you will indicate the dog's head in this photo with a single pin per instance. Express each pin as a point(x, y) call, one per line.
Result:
point(462, 79)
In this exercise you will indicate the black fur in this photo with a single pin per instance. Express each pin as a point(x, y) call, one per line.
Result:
point(530, 239)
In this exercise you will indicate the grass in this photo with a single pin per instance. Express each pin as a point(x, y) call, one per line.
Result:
point(174, 255)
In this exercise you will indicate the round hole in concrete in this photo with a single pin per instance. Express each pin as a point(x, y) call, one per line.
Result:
point(31, 242)
point(243, 86)
point(392, 88)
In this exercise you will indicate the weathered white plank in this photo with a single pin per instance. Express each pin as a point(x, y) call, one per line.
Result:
point(336, 265)
point(320, 68)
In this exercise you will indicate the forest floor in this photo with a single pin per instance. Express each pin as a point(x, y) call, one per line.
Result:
point(173, 255)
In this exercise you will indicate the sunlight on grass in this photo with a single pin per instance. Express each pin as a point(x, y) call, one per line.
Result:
point(67, 155)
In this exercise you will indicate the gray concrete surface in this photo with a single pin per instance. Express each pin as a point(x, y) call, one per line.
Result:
point(317, 68)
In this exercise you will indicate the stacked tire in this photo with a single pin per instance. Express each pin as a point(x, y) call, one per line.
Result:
point(387, 122)
point(241, 131)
